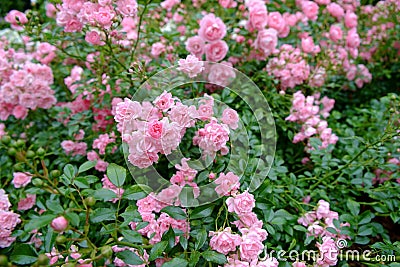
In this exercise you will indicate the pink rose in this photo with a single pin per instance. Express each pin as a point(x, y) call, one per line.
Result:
point(169, 195)
point(127, 110)
point(230, 117)
point(127, 8)
point(27, 203)
point(195, 45)
point(212, 28)
point(227, 183)
point(21, 179)
point(16, 19)
point(164, 101)
point(353, 40)
point(191, 66)
point(216, 51)
point(350, 20)
point(258, 17)
point(335, 33)
point(323, 209)
point(335, 10)
point(221, 74)
point(155, 129)
point(328, 252)
point(276, 21)
point(310, 9)
point(51, 10)
point(227, 3)
point(93, 37)
point(4, 202)
point(250, 247)
point(20, 112)
point(59, 224)
point(224, 242)
point(241, 204)
point(157, 49)
point(266, 41)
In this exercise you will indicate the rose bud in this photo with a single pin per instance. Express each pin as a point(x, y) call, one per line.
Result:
point(59, 224)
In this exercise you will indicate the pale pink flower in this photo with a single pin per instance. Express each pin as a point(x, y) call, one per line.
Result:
point(195, 45)
point(276, 21)
point(310, 9)
point(16, 19)
point(21, 179)
point(350, 20)
point(328, 252)
point(224, 242)
point(191, 66)
point(4, 202)
point(266, 41)
point(27, 203)
point(227, 3)
point(157, 49)
point(93, 37)
point(155, 129)
point(335, 33)
point(230, 118)
point(251, 246)
point(127, 8)
point(227, 183)
point(241, 204)
point(169, 195)
point(258, 17)
point(353, 39)
point(212, 28)
point(323, 209)
point(221, 74)
point(335, 10)
point(164, 101)
point(216, 51)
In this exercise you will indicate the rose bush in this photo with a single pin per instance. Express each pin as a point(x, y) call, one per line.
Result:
point(106, 161)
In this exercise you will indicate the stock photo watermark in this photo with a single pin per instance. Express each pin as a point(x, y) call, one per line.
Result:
point(341, 252)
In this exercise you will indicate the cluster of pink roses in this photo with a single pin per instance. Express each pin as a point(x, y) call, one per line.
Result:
point(73, 15)
point(24, 85)
point(73, 254)
point(209, 40)
point(8, 221)
point(317, 222)
point(306, 111)
point(244, 249)
point(151, 206)
point(150, 129)
point(289, 67)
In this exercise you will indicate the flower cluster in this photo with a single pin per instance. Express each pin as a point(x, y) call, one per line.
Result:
point(306, 111)
point(209, 40)
point(317, 221)
point(158, 127)
point(242, 249)
point(8, 221)
point(24, 85)
point(149, 207)
point(289, 67)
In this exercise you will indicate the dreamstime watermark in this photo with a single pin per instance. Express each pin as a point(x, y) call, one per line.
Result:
point(338, 253)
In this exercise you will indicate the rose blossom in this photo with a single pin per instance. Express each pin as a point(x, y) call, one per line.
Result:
point(310, 9)
point(328, 252)
point(93, 37)
point(251, 246)
point(59, 224)
point(221, 74)
point(21, 179)
point(155, 129)
point(323, 209)
point(27, 203)
point(350, 20)
point(16, 19)
point(353, 40)
point(224, 242)
point(335, 33)
point(335, 10)
point(276, 21)
point(266, 41)
point(191, 66)
point(242, 203)
point(230, 117)
point(258, 17)
point(227, 183)
point(195, 45)
point(164, 101)
point(216, 51)
point(212, 28)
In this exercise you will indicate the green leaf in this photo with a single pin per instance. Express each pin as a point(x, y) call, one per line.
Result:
point(202, 212)
point(201, 238)
point(116, 174)
point(86, 166)
point(23, 254)
point(39, 222)
point(175, 263)
point(134, 193)
point(183, 241)
point(365, 230)
point(49, 240)
point(69, 171)
point(132, 236)
point(81, 182)
point(73, 218)
point(130, 257)
point(213, 256)
point(102, 214)
point(157, 250)
point(54, 205)
point(104, 194)
point(194, 258)
point(175, 212)
point(353, 206)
